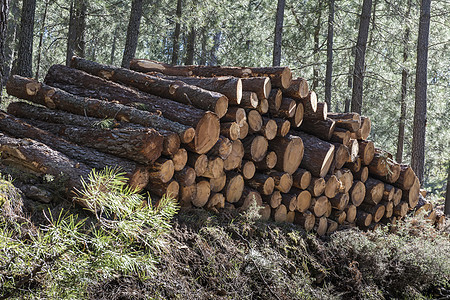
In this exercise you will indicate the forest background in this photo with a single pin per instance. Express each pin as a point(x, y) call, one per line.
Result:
point(241, 33)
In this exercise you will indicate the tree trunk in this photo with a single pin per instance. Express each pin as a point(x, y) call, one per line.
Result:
point(10, 40)
point(329, 71)
point(278, 33)
point(77, 27)
point(358, 72)
point(176, 34)
point(132, 33)
point(138, 176)
point(402, 120)
point(316, 46)
point(420, 110)
point(25, 51)
point(447, 194)
point(4, 11)
point(190, 47)
point(41, 38)
point(114, 46)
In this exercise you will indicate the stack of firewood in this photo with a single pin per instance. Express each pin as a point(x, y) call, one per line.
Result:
point(210, 136)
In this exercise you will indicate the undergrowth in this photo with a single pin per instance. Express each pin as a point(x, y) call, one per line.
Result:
point(128, 249)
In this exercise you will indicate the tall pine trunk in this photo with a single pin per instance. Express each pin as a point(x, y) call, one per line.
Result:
point(41, 39)
point(132, 33)
point(190, 47)
point(278, 33)
point(77, 27)
point(420, 110)
point(329, 71)
point(447, 194)
point(4, 7)
point(316, 47)
point(358, 71)
point(11, 44)
point(402, 120)
point(176, 34)
point(25, 51)
point(214, 60)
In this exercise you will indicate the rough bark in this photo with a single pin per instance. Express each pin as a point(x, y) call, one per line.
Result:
point(301, 179)
point(420, 109)
point(329, 70)
point(77, 26)
point(255, 147)
point(55, 98)
point(278, 33)
point(259, 85)
point(298, 89)
point(132, 32)
point(322, 129)
point(190, 46)
point(358, 72)
point(41, 39)
point(176, 34)
point(174, 90)
point(4, 11)
point(289, 151)
point(447, 193)
point(25, 49)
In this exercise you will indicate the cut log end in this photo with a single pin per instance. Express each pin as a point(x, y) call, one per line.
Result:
point(207, 133)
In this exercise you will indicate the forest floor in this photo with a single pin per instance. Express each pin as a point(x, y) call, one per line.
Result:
point(229, 255)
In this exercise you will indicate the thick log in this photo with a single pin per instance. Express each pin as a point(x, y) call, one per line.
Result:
point(353, 149)
point(249, 100)
point(234, 187)
point(261, 86)
point(249, 197)
point(229, 86)
point(340, 135)
point(217, 184)
point(321, 226)
point(345, 177)
point(321, 129)
point(199, 162)
point(364, 132)
point(289, 151)
point(235, 114)
point(169, 89)
point(186, 176)
point(384, 168)
point(254, 121)
point(357, 193)
point(287, 109)
point(55, 98)
point(341, 155)
point(346, 116)
point(187, 194)
point(216, 201)
point(301, 178)
point(222, 148)
point(363, 219)
point(269, 129)
point(339, 216)
point(264, 184)
point(263, 106)
point(319, 206)
point(233, 161)
point(411, 196)
point(406, 179)
point(298, 89)
point(230, 130)
point(243, 130)
point(141, 145)
point(366, 151)
point(377, 211)
point(332, 186)
point(290, 217)
point(279, 214)
point(214, 168)
point(297, 119)
point(290, 201)
point(350, 211)
point(170, 189)
point(320, 113)
point(248, 169)
point(348, 121)
point(362, 174)
point(274, 200)
point(255, 147)
point(374, 191)
point(161, 170)
point(303, 200)
point(318, 155)
point(268, 162)
point(306, 220)
point(283, 127)
point(138, 175)
point(279, 76)
point(202, 193)
point(39, 158)
point(265, 212)
point(275, 98)
point(283, 181)
point(401, 209)
point(332, 226)
point(317, 186)
point(354, 166)
point(310, 102)
point(179, 159)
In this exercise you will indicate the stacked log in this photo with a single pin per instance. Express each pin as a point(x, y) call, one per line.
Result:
point(215, 137)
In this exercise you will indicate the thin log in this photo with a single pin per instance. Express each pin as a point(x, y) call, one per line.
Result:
point(186, 176)
point(301, 178)
point(321, 129)
point(274, 99)
point(298, 89)
point(261, 86)
point(255, 147)
point(264, 184)
point(268, 162)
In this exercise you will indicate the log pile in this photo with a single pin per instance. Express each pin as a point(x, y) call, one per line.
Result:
point(212, 137)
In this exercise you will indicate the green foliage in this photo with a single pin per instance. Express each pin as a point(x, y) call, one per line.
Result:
point(65, 257)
